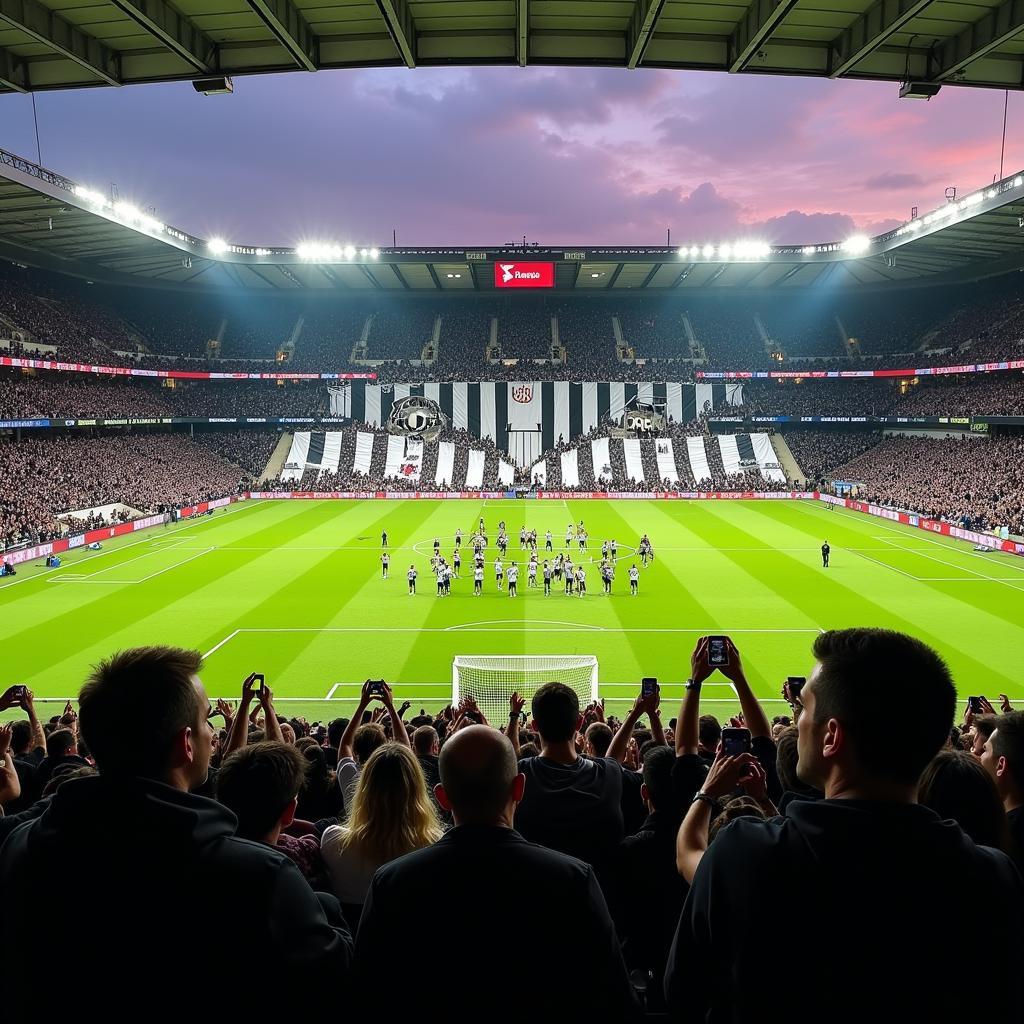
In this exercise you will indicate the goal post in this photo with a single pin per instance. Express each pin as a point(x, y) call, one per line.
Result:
point(491, 679)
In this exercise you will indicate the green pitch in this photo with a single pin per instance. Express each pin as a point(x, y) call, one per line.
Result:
point(293, 589)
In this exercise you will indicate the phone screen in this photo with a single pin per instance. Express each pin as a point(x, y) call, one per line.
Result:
point(258, 681)
point(718, 651)
point(648, 686)
point(735, 742)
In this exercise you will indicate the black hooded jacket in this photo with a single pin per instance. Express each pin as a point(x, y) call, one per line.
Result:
point(128, 887)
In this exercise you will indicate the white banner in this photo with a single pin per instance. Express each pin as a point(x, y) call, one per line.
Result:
point(396, 452)
point(488, 412)
point(634, 461)
point(364, 453)
point(341, 400)
point(570, 469)
point(560, 431)
point(617, 400)
point(705, 396)
point(445, 463)
point(332, 450)
point(524, 405)
point(601, 459)
point(698, 458)
point(730, 453)
point(460, 405)
point(539, 474)
point(767, 458)
point(506, 473)
point(412, 461)
point(666, 460)
point(295, 464)
point(589, 407)
point(475, 471)
point(372, 415)
point(674, 402)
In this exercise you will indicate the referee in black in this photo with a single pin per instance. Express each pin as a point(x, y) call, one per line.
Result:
point(825, 550)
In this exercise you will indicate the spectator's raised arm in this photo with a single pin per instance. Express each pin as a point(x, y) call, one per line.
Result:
point(515, 708)
point(642, 706)
point(754, 716)
point(345, 748)
point(10, 784)
point(271, 723)
point(398, 730)
point(688, 726)
point(238, 731)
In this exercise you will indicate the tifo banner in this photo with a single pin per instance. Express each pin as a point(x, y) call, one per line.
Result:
point(564, 410)
point(931, 525)
point(531, 274)
point(131, 371)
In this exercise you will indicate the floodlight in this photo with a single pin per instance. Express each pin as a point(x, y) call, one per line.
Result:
point(217, 246)
point(857, 244)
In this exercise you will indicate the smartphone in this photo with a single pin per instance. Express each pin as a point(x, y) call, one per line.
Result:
point(258, 682)
point(718, 651)
point(735, 742)
point(648, 686)
point(18, 692)
point(974, 703)
point(376, 687)
point(796, 684)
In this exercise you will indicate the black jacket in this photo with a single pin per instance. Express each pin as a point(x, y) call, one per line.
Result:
point(524, 932)
point(157, 889)
point(858, 906)
point(647, 897)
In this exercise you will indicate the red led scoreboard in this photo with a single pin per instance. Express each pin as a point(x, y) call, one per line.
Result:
point(524, 275)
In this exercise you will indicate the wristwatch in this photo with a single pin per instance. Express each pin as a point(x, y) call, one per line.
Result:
point(714, 804)
point(691, 684)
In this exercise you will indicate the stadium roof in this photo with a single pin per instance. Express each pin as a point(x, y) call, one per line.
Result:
point(46, 44)
point(49, 221)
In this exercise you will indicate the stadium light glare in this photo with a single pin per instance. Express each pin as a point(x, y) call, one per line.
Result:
point(217, 246)
point(350, 252)
point(708, 251)
point(90, 196)
point(375, 254)
point(808, 250)
point(856, 244)
point(990, 194)
point(724, 251)
point(1018, 181)
point(133, 215)
point(974, 198)
point(318, 251)
point(694, 252)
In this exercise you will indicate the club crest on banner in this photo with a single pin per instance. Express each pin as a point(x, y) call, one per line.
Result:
point(522, 393)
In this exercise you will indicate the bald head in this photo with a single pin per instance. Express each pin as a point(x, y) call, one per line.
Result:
point(479, 775)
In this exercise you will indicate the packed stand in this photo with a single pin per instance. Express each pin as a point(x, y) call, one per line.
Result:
point(974, 482)
point(653, 846)
point(248, 449)
point(819, 452)
point(146, 472)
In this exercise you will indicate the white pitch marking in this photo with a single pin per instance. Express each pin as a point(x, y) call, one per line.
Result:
point(330, 692)
point(217, 647)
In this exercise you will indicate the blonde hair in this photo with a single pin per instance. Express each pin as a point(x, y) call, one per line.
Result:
point(392, 813)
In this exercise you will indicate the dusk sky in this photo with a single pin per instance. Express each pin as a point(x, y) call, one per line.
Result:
point(569, 156)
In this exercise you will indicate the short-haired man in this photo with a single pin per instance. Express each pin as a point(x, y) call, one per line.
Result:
point(866, 871)
point(1003, 759)
point(573, 804)
point(573, 965)
point(144, 855)
point(61, 751)
point(260, 783)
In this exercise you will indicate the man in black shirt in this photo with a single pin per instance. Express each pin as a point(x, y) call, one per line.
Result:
point(1003, 759)
point(572, 803)
point(866, 873)
point(825, 551)
point(573, 964)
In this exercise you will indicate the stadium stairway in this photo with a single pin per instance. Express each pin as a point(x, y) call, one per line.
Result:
point(786, 461)
point(276, 463)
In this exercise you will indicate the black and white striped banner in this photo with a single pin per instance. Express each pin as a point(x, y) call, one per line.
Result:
point(558, 409)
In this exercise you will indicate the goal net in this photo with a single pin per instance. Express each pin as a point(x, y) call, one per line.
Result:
point(491, 679)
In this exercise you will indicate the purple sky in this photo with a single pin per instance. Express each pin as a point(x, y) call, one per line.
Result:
point(565, 156)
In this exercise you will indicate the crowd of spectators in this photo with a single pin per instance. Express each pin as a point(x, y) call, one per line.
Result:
point(819, 453)
point(975, 482)
point(46, 477)
point(652, 852)
point(250, 450)
point(93, 324)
